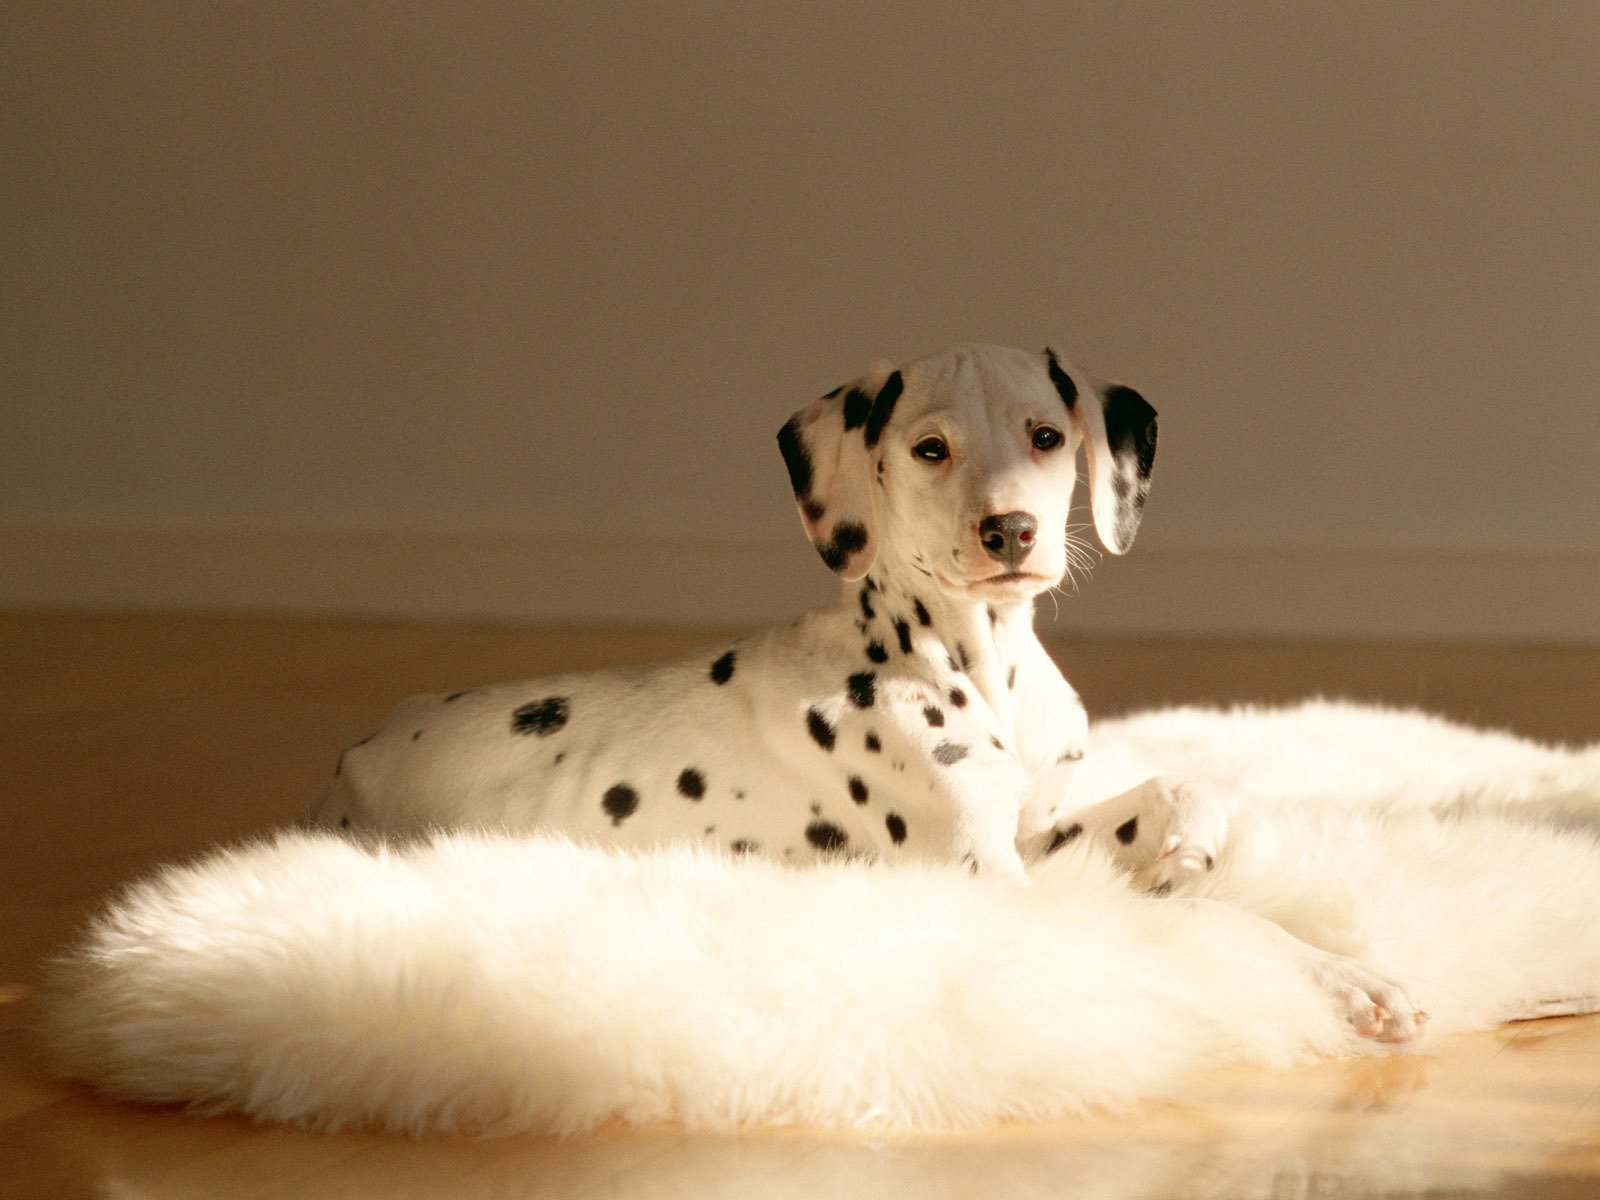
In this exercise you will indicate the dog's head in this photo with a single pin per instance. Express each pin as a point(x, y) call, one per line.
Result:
point(962, 467)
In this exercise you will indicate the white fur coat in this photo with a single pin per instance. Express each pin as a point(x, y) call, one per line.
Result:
point(486, 983)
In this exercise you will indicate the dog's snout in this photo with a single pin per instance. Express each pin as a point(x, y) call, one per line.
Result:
point(1008, 537)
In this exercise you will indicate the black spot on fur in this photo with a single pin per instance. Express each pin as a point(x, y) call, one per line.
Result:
point(903, 632)
point(998, 745)
point(826, 836)
point(866, 601)
point(857, 407)
point(1128, 831)
point(993, 616)
point(691, 783)
point(344, 822)
point(722, 669)
point(1073, 755)
point(896, 827)
point(863, 689)
point(542, 717)
point(848, 538)
point(950, 752)
point(738, 794)
point(966, 660)
point(877, 653)
point(796, 458)
point(1011, 678)
point(814, 510)
point(858, 789)
point(561, 757)
point(821, 732)
point(934, 715)
point(954, 665)
point(873, 744)
point(1131, 427)
point(958, 697)
point(416, 735)
point(745, 846)
point(1065, 388)
point(454, 696)
point(1062, 837)
point(883, 408)
point(620, 802)
point(922, 612)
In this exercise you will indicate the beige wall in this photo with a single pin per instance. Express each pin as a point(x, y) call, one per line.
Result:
point(554, 274)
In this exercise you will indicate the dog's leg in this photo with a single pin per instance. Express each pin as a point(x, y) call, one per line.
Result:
point(976, 836)
point(986, 845)
point(1164, 832)
point(974, 802)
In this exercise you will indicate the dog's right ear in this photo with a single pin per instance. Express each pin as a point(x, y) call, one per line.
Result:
point(830, 447)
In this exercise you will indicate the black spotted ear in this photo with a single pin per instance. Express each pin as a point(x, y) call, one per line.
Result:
point(829, 447)
point(1118, 429)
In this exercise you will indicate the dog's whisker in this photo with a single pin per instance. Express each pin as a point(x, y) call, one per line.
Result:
point(1081, 556)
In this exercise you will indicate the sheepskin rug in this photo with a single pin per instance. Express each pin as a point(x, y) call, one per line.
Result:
point(492, 984)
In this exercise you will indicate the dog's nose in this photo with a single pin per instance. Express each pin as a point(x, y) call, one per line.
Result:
point(1008, 537)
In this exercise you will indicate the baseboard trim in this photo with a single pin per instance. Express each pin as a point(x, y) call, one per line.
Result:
point(479, 575)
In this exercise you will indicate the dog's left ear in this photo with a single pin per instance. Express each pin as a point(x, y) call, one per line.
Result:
point(829, 447)
point(1119, 434)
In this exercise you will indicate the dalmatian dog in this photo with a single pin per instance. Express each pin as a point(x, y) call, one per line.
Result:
point(919, 718)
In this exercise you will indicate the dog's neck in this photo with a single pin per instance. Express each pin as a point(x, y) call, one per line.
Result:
point(908, 615)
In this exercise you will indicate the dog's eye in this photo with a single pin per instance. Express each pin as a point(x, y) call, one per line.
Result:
point(1047, 437)
point(931, 449)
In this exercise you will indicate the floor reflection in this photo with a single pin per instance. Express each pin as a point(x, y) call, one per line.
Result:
point(1369, 1142)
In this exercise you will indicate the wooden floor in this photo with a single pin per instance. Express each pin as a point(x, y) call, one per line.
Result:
point(126, 742)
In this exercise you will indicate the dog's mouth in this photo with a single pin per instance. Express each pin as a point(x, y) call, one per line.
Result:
point(1003, 581)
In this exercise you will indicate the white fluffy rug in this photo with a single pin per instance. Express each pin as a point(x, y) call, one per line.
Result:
point(488, 984)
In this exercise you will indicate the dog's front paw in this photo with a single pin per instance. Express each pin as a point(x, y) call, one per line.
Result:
point(1375, 1007)
point(1191, 840)
point(1164, 833)
point(1174, 836)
